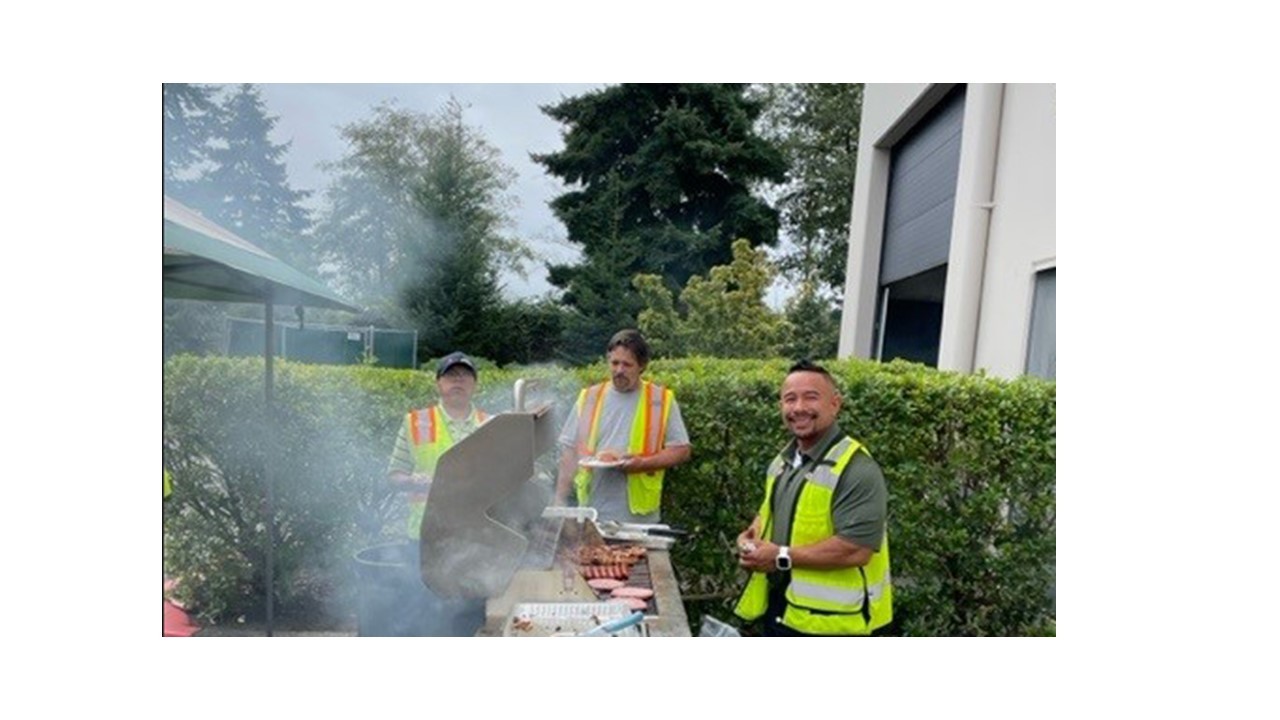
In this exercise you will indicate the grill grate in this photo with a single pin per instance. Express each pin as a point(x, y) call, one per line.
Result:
point(639, 577)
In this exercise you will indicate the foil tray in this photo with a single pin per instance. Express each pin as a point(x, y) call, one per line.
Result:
point(564, 619)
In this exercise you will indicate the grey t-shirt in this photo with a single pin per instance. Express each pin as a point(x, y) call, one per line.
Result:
point(858, 506)
point(609, 485)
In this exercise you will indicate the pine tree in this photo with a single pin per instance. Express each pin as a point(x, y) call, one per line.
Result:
point(664, 179)
point(248, 190)
point(190, 127)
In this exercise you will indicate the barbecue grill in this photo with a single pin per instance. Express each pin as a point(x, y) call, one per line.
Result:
point(487, 531)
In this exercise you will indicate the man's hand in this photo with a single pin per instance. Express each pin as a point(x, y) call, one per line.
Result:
point(758, 555)
point(630, 463)
point(834, 552)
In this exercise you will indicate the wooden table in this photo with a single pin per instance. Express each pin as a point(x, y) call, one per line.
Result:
point(562, 584)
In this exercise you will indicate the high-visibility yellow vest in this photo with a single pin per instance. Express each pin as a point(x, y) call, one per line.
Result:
point(648, 431)
point(429, 437)
point(168, 485)
point(842, 601)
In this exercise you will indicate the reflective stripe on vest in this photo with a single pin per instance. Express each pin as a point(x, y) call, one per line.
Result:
point(775, 467)
point(839, 595)
point(588, 434)
point(824, 475)
point(422, 423)
point(648, 431)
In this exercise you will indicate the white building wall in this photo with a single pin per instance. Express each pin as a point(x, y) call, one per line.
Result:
point(1020, 235)
point(1023, 238)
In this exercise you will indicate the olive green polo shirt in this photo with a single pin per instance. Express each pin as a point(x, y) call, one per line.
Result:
point(859, 505)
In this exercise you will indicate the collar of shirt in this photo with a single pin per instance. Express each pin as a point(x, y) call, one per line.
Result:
point(800, 458)
point(456, 426)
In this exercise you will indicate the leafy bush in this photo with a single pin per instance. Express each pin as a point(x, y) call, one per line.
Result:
point(969, 462)
point(333, 431)
point(327, 432)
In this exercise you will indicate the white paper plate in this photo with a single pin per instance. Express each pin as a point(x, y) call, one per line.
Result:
point(594, 463)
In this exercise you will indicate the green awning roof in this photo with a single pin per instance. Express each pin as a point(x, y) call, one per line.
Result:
point(203, 261)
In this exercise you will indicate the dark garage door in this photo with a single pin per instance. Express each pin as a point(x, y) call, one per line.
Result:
point(917, 233)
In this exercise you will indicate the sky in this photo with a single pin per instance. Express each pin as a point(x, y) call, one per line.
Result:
point(309, 115)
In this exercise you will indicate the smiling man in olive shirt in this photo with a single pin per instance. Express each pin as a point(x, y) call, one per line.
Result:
point(818, 549)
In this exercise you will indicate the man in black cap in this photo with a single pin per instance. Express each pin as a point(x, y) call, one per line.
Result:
point(427, 433)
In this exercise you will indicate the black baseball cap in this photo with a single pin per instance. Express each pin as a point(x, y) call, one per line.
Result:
point(452, 359)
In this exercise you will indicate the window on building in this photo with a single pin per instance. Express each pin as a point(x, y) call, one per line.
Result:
point(1042, 341)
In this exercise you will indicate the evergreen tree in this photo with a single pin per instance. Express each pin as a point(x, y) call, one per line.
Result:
point(663, 179)
point(247, 191)
point(190, 127)
point(220, 161)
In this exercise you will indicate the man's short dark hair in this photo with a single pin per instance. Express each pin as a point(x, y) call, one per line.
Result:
point(807, 365)
point(633, 341)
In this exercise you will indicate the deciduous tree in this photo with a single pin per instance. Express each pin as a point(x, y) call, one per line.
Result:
point(416, 217)
point(813, 323)
point(816, 125)
point(726, 316)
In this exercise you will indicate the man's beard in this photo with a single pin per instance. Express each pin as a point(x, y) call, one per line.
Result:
point(813, 431)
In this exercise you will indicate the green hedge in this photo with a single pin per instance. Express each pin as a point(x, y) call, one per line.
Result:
point(970, 466)
point(969, 461)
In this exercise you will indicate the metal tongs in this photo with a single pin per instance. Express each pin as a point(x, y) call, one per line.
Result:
point(659, 530)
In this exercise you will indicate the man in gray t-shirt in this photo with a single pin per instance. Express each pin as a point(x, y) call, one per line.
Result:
point(601, 424)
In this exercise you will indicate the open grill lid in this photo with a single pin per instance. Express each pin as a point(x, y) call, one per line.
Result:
point(482, 505)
